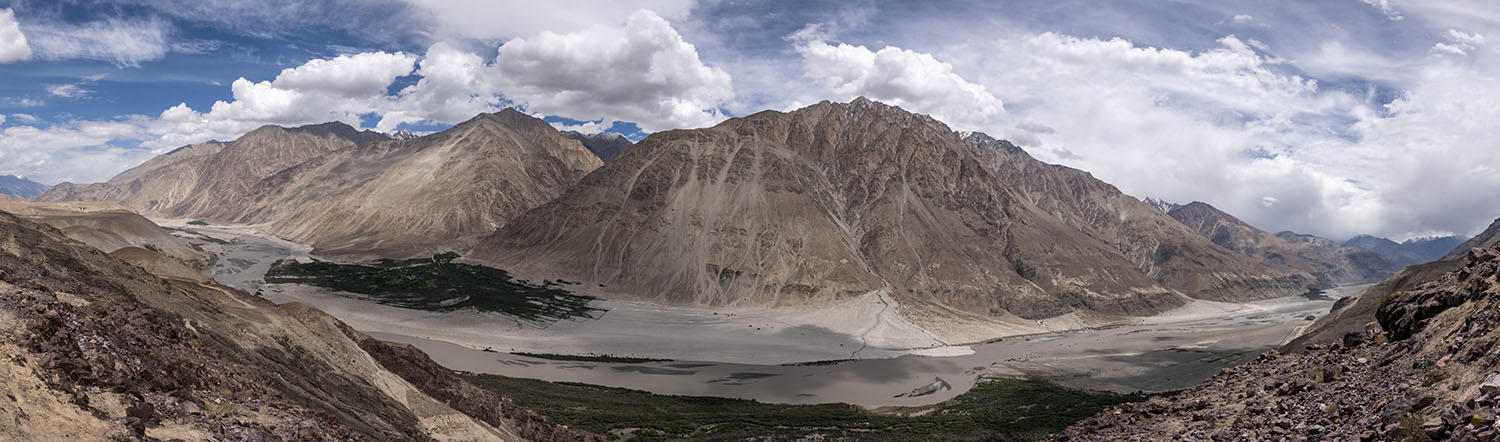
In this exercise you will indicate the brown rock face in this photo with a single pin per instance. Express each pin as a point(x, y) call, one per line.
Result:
point(1330, 263)
point(358, 194)
point(839, 199)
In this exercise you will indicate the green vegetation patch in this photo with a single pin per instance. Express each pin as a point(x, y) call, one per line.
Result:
point(439, 284)
point(1005, 409)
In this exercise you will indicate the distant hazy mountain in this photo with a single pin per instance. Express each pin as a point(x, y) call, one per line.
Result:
point(1332, 263)
point(20, 187)
point(605, 145)
point(1433, 248)
point(358, 193)
point(1412, 251)
point(838, 199)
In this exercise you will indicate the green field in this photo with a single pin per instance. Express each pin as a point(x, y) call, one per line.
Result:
point(996, 409)
point(439, 284)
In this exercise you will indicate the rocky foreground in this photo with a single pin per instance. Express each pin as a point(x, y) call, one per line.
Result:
point(1427, 369)
point(96, 348)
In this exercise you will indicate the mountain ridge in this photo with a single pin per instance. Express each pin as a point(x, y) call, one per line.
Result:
point(830, 201)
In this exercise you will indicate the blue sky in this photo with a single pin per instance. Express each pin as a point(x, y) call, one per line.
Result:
point(1335, 117)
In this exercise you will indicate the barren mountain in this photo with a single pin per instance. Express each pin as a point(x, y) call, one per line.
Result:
point(359, 194)
point(211, 180)
point(605, 145)
point(1152, 240)
point(98, 349)
point(439, 192)
point(1331, 263)
point(835, 200)
point(1426, 369)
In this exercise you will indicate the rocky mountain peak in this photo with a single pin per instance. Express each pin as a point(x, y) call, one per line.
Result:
point(1162, 205)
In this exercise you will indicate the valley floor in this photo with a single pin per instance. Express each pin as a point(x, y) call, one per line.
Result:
point(765, 355)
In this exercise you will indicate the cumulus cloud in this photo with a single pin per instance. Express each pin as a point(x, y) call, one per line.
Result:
point(454, 86)
point(122, 42)
point(347, 75)
point(913, 80)
point(643, 73)
point(12, 42)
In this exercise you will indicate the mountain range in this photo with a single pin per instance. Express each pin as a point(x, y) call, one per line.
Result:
point(1331, 263)
point(357, 194)
point(1409, 252)
point(20, 187)
point(820, 204)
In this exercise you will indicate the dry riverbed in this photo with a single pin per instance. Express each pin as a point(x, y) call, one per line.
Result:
point(765, 355)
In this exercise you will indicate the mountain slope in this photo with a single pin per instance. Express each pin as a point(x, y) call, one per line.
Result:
point(212, 180)
point(97, 348)
point(20, 187)
point(439, 192)
point(835, 200)
point(1332, 264)
point(605, 145)
point(1153, 241)
point(1490, 237)
point(1429, 373)
point(358, 194)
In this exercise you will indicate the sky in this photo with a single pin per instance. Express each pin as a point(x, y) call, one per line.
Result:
point(1336, 117)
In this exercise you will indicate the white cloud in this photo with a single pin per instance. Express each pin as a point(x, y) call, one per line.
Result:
point(347, 75)
point(13, 45)
point(1459, 42)
point(122, 42)
point(1244, 18)
point(67, 90)
point(1385, 8)
point(455, 85)
point(504, 19)
point(644, 73)
point(913, 80)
